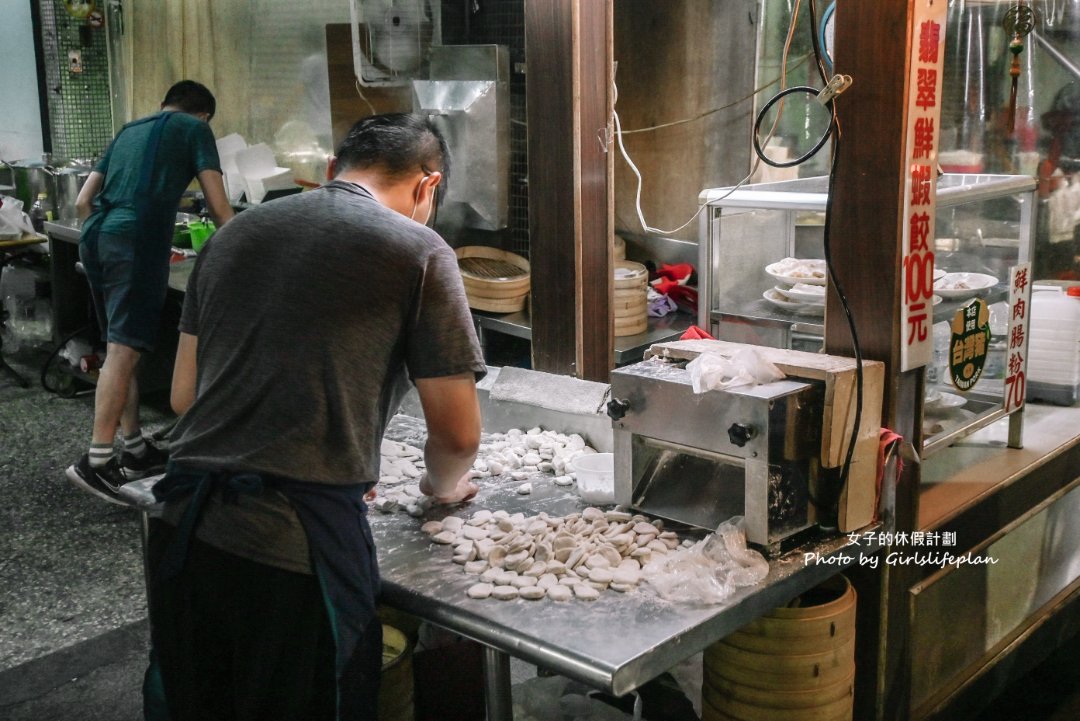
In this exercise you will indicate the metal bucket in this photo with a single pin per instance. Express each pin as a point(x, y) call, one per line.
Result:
point(60, 181)
point(30, 177)
point(69, 178)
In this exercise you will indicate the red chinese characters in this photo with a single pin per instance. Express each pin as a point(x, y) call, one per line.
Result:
point(1016, 367)
point(918, 260)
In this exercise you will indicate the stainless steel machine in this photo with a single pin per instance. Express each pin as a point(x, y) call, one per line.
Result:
point(771, 453)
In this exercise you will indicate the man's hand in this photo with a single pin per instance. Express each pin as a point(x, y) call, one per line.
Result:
point(463, 491)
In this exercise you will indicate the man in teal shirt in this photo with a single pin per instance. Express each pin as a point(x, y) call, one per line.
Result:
point(129, 205)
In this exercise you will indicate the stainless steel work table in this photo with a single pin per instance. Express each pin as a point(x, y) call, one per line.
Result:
point(614, 644)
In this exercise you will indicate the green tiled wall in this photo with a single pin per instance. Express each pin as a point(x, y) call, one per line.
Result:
point(80, 115)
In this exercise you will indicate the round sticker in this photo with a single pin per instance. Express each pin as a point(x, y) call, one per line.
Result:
point(968, 344)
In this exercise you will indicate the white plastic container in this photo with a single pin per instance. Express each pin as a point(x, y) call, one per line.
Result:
point(595, 477)
point(1053, 367)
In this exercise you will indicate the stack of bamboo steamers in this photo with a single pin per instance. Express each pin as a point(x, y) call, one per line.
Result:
point(630, 301)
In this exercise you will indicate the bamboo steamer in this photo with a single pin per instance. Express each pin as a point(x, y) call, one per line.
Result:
point(714, 686)
point(495, 280)
point(796, 663)
point(630, 299)
point(396, 686)
point(618, 248)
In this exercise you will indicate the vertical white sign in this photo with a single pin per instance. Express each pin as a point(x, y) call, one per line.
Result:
point(920, 183)
point(1019, 320)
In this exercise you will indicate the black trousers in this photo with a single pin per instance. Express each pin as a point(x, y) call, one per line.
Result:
point(242, 641)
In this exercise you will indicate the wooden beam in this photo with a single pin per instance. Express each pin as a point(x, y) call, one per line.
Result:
point(873, 46)
point(567, 95)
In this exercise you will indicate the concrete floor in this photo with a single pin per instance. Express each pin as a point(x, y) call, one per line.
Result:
point(73, 643)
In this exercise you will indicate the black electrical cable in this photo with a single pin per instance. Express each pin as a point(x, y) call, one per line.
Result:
point(813, 92)
point(834, 130)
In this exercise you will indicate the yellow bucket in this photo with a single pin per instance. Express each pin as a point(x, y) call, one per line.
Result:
point(396, 689)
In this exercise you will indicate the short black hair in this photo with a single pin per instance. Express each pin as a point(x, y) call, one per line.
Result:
point(396, 143)
point(191, 97)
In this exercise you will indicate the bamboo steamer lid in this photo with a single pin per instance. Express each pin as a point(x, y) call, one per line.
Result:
point(495, 280)
point(629, 274)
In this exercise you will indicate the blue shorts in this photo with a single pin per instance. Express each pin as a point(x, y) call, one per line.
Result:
point(128, 289)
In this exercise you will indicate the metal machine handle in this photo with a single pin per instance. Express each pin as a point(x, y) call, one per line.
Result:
point(617, 408)
point(740, 434)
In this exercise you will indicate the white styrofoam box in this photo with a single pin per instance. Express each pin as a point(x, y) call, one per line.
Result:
point(260, 172)
point(227, 148)
point(1054, 338)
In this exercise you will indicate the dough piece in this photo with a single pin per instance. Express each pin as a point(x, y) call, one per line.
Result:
point(515, 559)
point(622, 587)
point(597, 560)
point(496, 468)
point(505, 578)
point(532, 593)
point(504, 593)
point(559, 593)
point(612, 556)
point(569, 581)
point(473, 533)
point(586, 592)
point(592, 514)
point(475, 568)
point(444, 537)
point(563, 480)
point(490, 575)
point(432, 527)
point(385, 505)
point(524, 489)
point(452, 523)
point(536, 569)
point(601, 575)
point(497, 557)
point(629, 564)
point(617, 516)
point(519, 475)
point(625, 577)
point(480, 518)
point(523, 581)
point(480, 590)
point(547, 580)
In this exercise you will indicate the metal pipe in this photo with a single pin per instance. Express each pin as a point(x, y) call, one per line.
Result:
point(497, 696)
point(1056, 54)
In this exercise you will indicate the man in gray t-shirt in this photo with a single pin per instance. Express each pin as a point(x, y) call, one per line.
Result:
point(303, 323)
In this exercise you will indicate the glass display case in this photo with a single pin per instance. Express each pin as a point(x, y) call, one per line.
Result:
point(985, 225)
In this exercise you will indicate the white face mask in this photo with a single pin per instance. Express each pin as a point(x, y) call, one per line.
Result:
point(432, 213)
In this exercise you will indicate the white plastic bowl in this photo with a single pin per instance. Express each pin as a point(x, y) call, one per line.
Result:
point(595, 477)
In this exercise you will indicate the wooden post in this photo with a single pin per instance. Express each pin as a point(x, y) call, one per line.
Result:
point(873, 45)
point(568, 59)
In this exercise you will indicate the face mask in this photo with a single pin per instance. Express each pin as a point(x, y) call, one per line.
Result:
point(433, 208)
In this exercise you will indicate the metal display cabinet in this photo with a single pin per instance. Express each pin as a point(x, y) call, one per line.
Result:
point(985, 224)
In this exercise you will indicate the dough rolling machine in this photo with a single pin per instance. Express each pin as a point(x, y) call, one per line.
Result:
point(771, 453)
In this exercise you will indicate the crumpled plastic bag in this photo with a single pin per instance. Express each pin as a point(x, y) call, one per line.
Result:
point(713, 371)
point(14, 223)
point(711, 570)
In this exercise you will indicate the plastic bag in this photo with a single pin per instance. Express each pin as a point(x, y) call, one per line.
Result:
point(711, 570)
point(713, 371)
point(14, 223)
